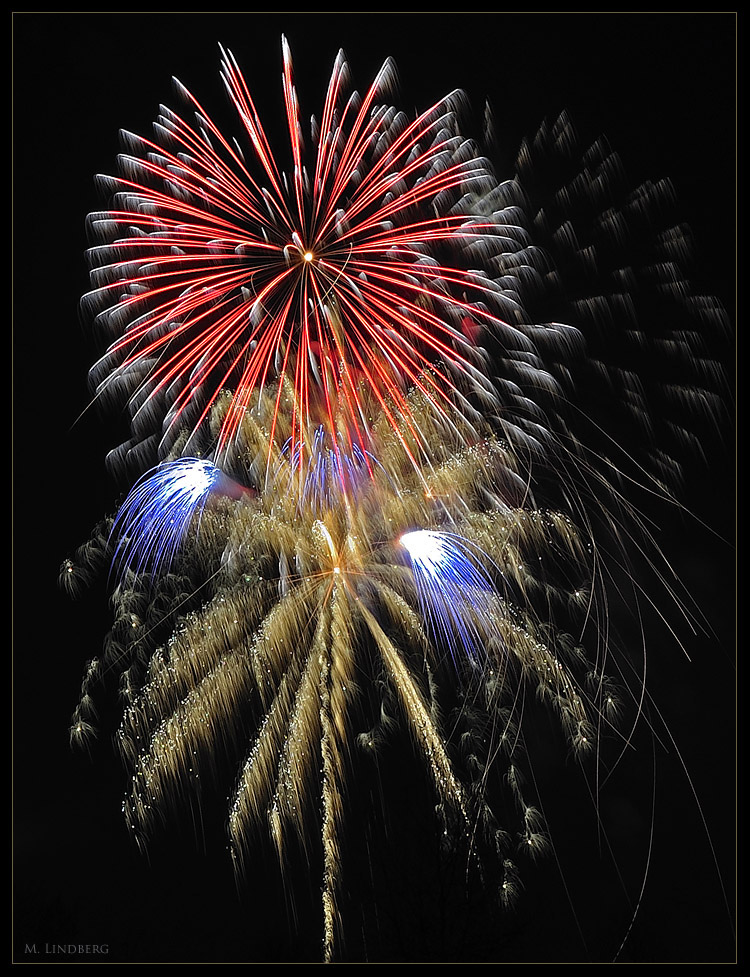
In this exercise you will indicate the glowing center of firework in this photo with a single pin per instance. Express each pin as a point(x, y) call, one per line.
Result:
point(424, 547)
point(307, 256)
point(194, 478)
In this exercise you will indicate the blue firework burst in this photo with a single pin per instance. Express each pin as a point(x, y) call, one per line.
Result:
point(152, 521)
point(456, 592)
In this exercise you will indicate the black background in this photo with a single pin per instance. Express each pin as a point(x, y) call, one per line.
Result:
point(662, 87)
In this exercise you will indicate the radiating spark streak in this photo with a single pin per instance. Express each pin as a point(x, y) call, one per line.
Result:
point(377, 326)
point(292, 111)
point(243, 102)
point(353, 147)
point(413, 371)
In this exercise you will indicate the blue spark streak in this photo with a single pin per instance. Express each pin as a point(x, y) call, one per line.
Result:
point(327, 472)
point(455, 591)
point(152, 521)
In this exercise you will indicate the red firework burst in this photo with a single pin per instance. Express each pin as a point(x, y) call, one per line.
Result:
point(217, 270)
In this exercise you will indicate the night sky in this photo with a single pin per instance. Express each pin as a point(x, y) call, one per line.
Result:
point(662, 89)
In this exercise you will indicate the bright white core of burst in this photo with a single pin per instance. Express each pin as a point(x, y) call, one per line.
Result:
point(422, 546)
point(195, 479)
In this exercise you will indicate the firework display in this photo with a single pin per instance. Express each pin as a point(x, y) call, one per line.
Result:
point(387, 410)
